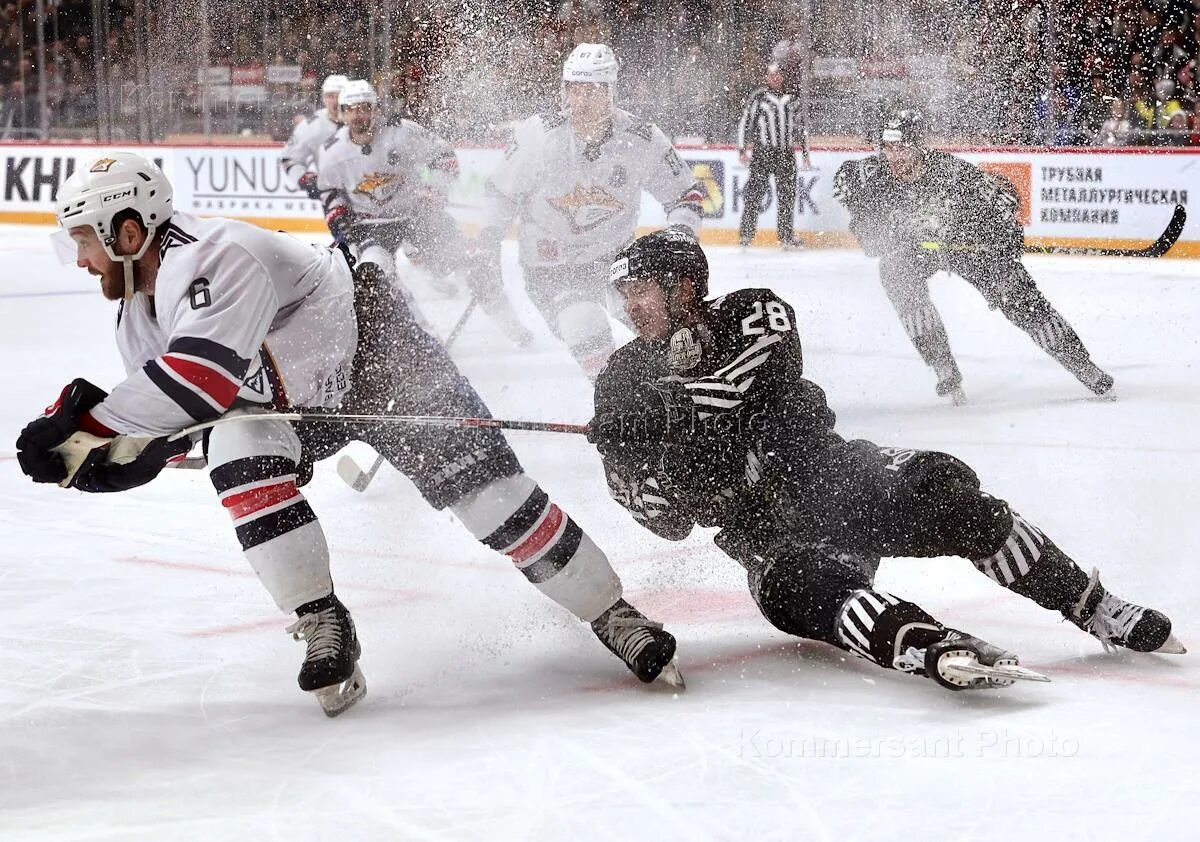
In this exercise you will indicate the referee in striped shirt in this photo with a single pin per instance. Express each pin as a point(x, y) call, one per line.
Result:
point(771, 122)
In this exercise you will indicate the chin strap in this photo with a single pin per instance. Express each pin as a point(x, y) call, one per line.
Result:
point(127, 261)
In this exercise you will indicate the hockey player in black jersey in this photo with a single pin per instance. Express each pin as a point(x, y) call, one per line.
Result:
point(920, 211)
point(400, 369)
point(706, 419)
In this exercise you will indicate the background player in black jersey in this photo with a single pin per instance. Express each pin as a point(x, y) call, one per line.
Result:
point(705, 419)
point(920, 211)
point(399, 369)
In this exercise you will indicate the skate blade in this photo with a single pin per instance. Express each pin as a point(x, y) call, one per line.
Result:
point(1000, 675)
point(1172, 646)
point(352, 474)
point(671, 677)
point(336, 699)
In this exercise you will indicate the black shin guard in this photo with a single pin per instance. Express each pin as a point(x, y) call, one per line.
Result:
point(1031, 565)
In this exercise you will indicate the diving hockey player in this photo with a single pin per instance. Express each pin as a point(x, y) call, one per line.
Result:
point(573, 181)
point(299, 157)
point(921, 211)
point(377, 199)
point(216, 316)
point(706, 419)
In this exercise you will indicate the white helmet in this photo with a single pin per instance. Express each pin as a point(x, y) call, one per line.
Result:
point(357, 92)
point(591, 63)
point(99, 191)
point(333, 84)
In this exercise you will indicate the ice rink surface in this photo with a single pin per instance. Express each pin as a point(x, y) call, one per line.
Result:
point(147, 689)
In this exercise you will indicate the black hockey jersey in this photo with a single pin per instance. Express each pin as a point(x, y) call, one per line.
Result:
point(952, 202)
point(746, 428)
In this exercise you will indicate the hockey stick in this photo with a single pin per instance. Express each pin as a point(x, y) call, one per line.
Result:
point(413, 420)
point(461, 323)
point(354, 476)
point(352, 473)
point(1158, 248)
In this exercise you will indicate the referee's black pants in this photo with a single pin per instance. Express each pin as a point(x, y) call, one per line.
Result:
point(767, 161)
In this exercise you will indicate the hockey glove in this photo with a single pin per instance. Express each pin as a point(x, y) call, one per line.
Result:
point(340, 221)
point(35, 445)
point(653, 414)
point(97, 475)
point(308, 183)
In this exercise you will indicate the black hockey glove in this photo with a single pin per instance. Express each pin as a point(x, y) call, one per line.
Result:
point(308, 183)
point(98, 476)
point(36, 443)
point(653, 414)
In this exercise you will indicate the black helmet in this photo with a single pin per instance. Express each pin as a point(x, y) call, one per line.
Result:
point(668, 256)
point(905, 126)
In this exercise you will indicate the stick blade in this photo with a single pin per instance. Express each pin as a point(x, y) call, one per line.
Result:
point(352, 474)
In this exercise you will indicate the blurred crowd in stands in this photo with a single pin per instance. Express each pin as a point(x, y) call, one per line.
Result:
point(1078, 73)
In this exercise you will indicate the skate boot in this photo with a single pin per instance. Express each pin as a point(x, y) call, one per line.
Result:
point(1117, 623)
point(961, 662)
point(792, 245)
point(330, 670)
point(642, 644)
point(1098, 381)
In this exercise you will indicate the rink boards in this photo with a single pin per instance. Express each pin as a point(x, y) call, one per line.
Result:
point(1073, 197)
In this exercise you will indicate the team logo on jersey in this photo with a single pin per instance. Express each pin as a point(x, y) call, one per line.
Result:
point(619, 176)
point(103, 165)
point(256, 382)
point(586, 208)
point(379, 185)
point(685, 351)
point(710, 176)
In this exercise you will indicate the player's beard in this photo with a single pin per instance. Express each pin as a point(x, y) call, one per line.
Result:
point(112, 281)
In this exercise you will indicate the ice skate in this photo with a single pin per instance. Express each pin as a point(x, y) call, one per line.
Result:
point(952, 388)
point(962, 662)
point(330, 670)
point(792, 245)
point(1117, 623)
point(642, 644)
point(1098, 381)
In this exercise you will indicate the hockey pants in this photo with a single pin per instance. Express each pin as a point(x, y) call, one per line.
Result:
point(814, 577)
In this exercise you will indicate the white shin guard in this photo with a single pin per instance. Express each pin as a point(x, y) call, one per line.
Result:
point(514, 516)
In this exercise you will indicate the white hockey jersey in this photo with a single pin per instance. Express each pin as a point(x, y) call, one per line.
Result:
point(390, 177)
point(238, 312)
point(579, 202)
point(300, 154)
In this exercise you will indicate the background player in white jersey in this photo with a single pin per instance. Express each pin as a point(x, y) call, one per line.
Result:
point(384, 183)
point(215, 316)
point(299, 158)
point(574, 182)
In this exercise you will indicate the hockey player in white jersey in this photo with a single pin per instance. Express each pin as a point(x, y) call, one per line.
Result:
point(219, 315)
point(299, 158)
point(385, 185)
point(573, 180)
point(215, 316)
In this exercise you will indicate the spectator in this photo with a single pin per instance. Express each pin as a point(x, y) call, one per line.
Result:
point(1117, 130)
